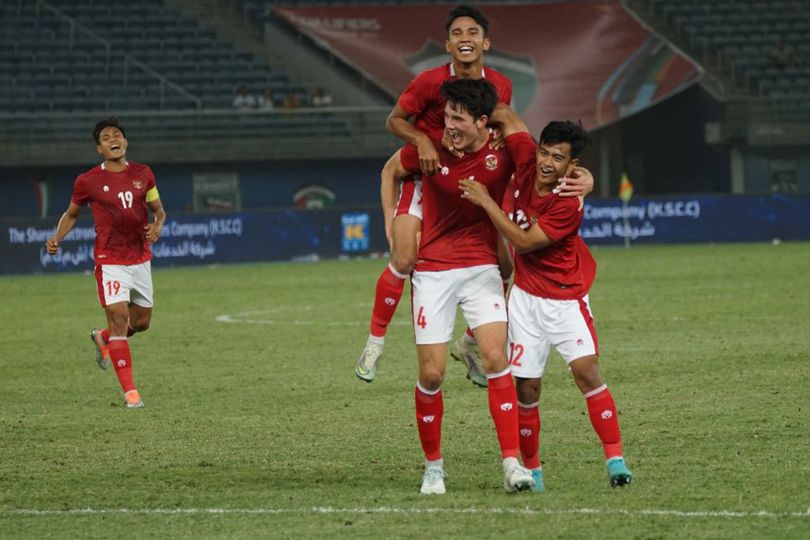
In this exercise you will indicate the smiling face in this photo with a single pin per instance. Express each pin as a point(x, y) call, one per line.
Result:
point(466, 133)
point(554, 161)
point(112, 144)
point(466, 41)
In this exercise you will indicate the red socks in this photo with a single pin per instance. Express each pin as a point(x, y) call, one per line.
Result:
point(529, 425)
point(504, 411)
point(605, 420)
point(105, 334)
point(429, 411)
point(122, 362)
point(386, 299)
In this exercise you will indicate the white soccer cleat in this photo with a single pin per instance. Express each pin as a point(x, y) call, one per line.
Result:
point(468, 354)
point(366, 367)
point(516, 477)
point(433, 480)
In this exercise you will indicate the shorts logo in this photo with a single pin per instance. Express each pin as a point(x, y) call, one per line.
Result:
point(445, 171)
point(606, 414)
point(580, 342)
point(525, 432)
point(491, 162)
point(106, 189)
point(506, 407)
point(497, 306)
point(428, 419)
point(390, 301)
point(137, 184)
point(122, 363)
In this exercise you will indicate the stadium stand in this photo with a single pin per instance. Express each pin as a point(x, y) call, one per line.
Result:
point(743, 36)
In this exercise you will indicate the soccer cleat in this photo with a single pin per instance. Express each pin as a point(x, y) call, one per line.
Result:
point(539, 485)
point(102, 349)
point(618, 473)
point(132, 400)
point(433, 480)
point(467, 353)
point(516, 477)
point(366, 367)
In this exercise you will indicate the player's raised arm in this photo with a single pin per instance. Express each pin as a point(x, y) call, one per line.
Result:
point(65, 225)
point(523, 240)
point(508, 121)
point(398, 123)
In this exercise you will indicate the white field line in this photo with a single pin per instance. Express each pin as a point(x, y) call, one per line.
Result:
point(292, 315)
point(400, 510)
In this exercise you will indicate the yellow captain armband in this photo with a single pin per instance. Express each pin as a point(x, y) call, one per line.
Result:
point(152, 195)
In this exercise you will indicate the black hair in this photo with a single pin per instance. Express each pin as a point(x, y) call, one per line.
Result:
point(476, 96)
point(573, 133)
point(467, 11)
point(112, 121)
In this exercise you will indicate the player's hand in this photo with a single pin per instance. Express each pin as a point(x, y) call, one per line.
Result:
point(153, 231)
point(498, 141)
point(52, 245)
point(447, 143)
point(473, 191)
point(428, 156)
point(578, 184)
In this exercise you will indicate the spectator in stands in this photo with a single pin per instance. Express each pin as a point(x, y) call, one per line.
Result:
point(291, 101)
point(782, 55)
point(321, 98)
point(266, 100)
point(243, 99)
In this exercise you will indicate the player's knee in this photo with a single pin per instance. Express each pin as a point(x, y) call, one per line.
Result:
point(140, 326)
point(528, 390)
point(494, 359)
point(431, 379)
point(403, 262)
point(586, 373)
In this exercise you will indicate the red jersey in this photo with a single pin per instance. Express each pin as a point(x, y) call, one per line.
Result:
point(118, 202)
point(455, 232)
point(565, 269)
point(423, 99)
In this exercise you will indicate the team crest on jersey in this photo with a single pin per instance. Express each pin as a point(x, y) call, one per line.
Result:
point(491, 162)
point(517, 193)
point(137, 184)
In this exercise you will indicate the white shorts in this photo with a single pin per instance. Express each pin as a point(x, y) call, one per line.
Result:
point(536, 324)
point(410, 198)
point(125, 283)
point(477, 289)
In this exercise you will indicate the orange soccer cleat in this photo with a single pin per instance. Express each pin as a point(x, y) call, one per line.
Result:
point(132, 399)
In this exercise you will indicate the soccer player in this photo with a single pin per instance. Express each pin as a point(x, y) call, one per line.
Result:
point(422, 103)
point(548, 304)
point(119, 193)
point(457, 266)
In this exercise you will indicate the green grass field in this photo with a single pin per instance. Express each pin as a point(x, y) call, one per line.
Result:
point(256, 427)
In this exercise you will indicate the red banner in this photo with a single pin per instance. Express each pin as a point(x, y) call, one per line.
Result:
point(589, 60)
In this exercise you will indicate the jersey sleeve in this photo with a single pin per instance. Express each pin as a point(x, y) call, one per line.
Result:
point(418, 95)
point(523, 152)
point(151, 186)
point(80, 195)
point(562, 219)
point(409, 158)
point(505, 95)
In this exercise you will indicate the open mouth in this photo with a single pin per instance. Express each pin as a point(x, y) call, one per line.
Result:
point(466, 49)
point(456, 138)
point(115, 147)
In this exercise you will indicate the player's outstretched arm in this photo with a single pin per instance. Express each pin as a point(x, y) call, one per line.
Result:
point(508, 120)
point(65, 225)
point(522, 240)
point(154, 229)
point(392, 170)
point(398, 124)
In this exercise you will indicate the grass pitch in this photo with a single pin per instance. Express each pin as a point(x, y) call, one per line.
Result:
point(256, 427)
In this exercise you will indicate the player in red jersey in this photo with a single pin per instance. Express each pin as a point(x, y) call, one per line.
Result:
point(457, 266)
point(422, 103)
point(120, 193)
point(548, 304)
